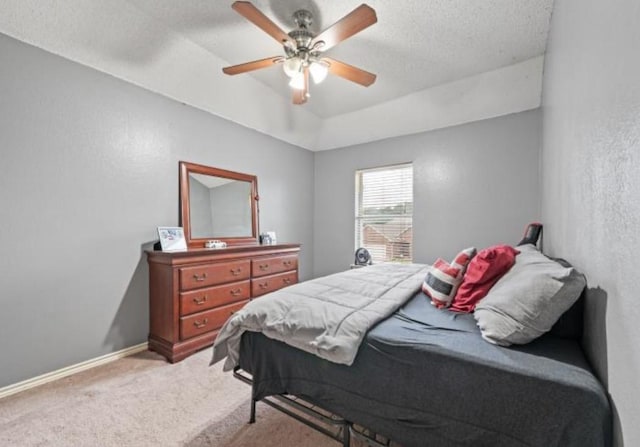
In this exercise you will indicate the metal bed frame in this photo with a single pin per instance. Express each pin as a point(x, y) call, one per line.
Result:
point(331, 425)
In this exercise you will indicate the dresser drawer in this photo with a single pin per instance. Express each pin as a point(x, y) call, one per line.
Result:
point(209, 297)
point(268, 284)
point(273, 264)
point(212, 274)
point(208, 320)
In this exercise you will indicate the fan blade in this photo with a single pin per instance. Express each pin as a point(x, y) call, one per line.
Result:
point(253, 65)
point(360, 18)
point(301, 96)
point(353, 74)
point(255, 16)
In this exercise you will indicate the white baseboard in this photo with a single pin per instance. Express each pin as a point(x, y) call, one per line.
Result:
point(69, 370)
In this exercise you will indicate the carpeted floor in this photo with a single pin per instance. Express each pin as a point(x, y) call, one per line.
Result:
point(142, 400)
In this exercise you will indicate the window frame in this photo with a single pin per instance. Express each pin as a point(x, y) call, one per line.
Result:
point(394, 250)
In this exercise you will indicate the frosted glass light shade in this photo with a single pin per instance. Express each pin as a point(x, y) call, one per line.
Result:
point(318, 71)
point(292, 66)
point(297, 81)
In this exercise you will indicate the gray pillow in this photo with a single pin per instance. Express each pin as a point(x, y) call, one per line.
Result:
point(528, 299)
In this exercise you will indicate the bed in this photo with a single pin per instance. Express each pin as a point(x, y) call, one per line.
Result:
point(425, 377)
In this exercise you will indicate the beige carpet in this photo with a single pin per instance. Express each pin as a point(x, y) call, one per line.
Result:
point(144, 401)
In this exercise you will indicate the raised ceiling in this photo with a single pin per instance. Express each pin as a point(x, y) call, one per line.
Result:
point(438, 62)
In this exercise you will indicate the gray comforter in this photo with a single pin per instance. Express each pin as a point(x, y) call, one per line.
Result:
point(328, 316)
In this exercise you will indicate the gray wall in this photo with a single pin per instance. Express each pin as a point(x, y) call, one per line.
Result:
point(474, 185)
point(591, 182)
point(88, 170)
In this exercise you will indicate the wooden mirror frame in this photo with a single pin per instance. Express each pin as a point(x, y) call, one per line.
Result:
point(185, 208)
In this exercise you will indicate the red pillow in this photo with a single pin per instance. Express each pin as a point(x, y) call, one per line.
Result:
point(484, 270)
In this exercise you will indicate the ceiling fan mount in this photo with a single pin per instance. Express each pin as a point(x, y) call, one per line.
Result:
point(303, 18)
point(302, 36)
point(303, 50)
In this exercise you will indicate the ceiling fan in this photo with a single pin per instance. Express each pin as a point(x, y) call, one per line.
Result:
point(303, 50)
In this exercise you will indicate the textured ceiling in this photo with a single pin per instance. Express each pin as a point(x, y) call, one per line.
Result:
point(418, 47)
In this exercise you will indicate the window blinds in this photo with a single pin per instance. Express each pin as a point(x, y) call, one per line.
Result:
point(384, 212)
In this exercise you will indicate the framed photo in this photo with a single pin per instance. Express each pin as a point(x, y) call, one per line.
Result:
point(172, 238)
point(268, 238)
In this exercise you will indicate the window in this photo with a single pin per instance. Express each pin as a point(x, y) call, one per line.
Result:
point(384, 212)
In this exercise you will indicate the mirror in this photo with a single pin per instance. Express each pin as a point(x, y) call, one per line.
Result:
point(218, 204)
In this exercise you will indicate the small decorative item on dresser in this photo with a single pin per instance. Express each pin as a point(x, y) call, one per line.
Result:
point(265, 239)
point(172, 238)
point(215, 244)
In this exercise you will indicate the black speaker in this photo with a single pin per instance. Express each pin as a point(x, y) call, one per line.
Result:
point(363, 257)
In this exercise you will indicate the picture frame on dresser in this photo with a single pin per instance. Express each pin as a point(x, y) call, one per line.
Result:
point(172, 238)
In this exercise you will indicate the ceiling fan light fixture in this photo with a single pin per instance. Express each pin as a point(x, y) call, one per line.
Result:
point(319, 71)
point(304, 49)
point(297, 81)
point(292, 66)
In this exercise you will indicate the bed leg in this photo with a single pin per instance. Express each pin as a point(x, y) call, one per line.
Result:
point(346, 436)
point(252, 416)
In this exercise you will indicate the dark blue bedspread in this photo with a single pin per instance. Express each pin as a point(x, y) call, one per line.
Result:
point(425, 377)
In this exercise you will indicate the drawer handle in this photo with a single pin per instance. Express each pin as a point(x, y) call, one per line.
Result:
point(200, 324)
point(263, 266)
point(235, 292)
point(200, 301)
point(263, 285)
point(236, 272)
point(287, 263)
point(286, 280)
point(200, 278)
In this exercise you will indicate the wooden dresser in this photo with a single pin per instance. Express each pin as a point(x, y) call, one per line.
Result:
point(192, 293)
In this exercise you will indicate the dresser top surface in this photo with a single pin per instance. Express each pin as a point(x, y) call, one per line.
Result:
point(214, 254)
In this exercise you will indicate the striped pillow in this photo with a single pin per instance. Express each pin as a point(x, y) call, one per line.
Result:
point(443, 278)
